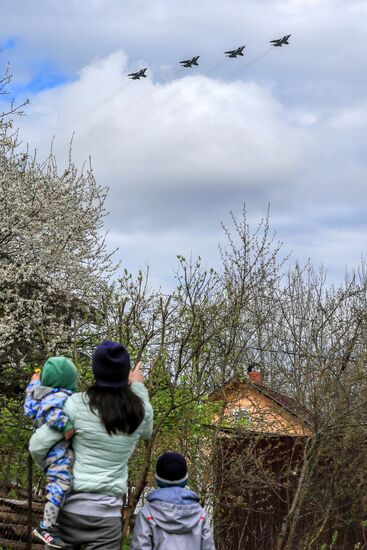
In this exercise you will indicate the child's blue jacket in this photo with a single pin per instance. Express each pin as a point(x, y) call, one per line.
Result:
point(46, 406)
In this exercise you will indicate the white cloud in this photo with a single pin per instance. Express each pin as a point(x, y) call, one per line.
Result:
point(159, 250)
point(350, 118)
point(189, 134)
point(327, 43)
point(178, 151)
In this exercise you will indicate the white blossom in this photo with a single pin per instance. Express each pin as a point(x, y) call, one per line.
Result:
point(53, 256)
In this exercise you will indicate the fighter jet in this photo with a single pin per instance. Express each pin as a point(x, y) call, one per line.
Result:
point(235, 53)
point(138, 75)
point(279, 42)
point(190, 62)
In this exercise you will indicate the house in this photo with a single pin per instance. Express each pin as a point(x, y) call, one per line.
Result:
point(258, 461)
point(258, 408)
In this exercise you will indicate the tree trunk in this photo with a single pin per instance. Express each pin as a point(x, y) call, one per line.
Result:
point(283, 541)
point(133, 501)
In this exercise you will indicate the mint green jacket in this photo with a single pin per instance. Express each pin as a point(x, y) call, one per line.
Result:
point(100, 459)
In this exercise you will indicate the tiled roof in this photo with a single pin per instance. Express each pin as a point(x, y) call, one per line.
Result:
point(286, 402)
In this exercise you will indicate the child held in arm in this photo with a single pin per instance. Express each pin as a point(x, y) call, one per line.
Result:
point(172, 518)
point(45, 398)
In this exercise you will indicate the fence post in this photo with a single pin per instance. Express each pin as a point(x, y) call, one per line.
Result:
point(30, 503)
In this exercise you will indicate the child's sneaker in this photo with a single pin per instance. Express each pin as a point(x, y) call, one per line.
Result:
point(49, 535)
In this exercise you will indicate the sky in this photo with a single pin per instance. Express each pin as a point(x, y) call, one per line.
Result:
point(183, 148)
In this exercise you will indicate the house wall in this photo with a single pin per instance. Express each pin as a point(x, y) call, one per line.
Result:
point(256, 479)
point(254, 476)
point(264, 414)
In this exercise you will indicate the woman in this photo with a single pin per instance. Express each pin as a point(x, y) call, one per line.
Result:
point(109, 419)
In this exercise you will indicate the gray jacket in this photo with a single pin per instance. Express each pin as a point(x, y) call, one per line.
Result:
point(172, 519)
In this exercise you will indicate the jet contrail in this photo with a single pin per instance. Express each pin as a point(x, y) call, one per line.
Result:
point(252, 61)
point(96, 108)
point(217, 66)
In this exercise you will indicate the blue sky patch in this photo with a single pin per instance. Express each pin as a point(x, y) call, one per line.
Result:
point(45, 77)
point(8, 44)
point(45, 80)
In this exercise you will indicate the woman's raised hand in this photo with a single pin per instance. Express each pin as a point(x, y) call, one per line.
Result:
point(136, 375)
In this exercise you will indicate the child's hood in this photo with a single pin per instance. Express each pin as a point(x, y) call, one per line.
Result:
point(51, 397)
point(40, 392)
point(60, 372)
point(174, 509)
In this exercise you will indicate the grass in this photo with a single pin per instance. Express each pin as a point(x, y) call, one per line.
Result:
point(127, 544)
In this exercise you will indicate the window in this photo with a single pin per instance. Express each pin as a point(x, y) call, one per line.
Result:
point(241, 414)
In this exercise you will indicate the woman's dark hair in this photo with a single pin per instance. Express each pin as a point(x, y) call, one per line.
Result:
point(120, 409)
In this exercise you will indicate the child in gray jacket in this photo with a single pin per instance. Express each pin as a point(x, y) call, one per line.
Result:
point(172, 518)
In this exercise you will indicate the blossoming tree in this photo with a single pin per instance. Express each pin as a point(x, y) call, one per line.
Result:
point(53, 256)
